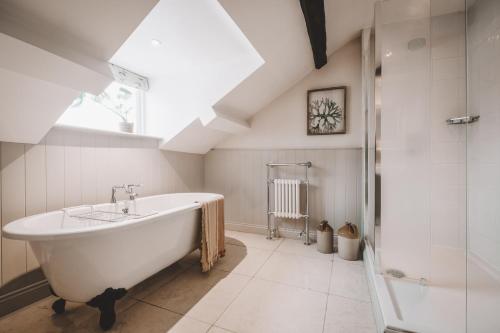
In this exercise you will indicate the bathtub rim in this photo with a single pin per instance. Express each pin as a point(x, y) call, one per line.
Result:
point(17, 230)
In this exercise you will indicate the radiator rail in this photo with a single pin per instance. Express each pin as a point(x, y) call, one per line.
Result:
point(287, 201)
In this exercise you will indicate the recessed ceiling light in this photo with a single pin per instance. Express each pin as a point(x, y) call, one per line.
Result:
point(155, 42)
point(388, 54)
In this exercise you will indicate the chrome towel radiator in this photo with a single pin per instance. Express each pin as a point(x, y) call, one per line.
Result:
point(287, 199)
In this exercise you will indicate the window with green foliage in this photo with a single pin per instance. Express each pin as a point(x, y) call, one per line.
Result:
point(118, 108)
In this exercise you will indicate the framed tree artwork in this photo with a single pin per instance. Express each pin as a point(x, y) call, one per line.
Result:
point(326, 111)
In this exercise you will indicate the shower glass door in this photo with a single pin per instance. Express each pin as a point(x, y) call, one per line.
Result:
point(420, 192)
point(483, 166)
point(435, 126)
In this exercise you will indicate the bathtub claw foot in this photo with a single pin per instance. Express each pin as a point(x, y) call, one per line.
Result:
point(59, 306)
point(105, 302)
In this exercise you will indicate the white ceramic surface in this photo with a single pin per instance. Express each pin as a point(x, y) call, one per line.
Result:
point(348, 248)
point(81, 258)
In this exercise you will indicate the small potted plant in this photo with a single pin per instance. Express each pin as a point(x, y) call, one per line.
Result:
point(119, 108)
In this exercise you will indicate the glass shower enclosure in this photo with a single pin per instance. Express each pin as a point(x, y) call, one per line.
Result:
point(432, 164)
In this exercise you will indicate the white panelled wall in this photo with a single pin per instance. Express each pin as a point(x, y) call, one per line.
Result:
point(240, 175)
point(71, 168)
point(236, 168)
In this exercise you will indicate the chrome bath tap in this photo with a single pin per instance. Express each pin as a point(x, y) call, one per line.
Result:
point(113, 191)
point(130, 191)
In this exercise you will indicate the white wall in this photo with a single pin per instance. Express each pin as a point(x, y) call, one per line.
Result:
point(483, 167)
point(282, 124)
point(236, 168)
point(240, 175)
point(448, 150)
point(71, 168)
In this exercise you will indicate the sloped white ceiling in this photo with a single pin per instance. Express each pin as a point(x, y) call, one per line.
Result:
point(36, 86)
point(51, 50)
point(28, 108)
point(219, 60)
point(231, 66)
point(95, 28)
point(278, 32)
point(194, 138)
point(31, 61)
point(202, 56)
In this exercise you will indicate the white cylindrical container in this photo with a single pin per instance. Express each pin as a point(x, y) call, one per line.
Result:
point(348, 242)
point(324, 238)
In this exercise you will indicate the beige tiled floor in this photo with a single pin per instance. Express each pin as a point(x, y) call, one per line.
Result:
point(260, 286)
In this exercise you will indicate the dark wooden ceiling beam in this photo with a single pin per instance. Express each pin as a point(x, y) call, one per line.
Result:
point(314, 14)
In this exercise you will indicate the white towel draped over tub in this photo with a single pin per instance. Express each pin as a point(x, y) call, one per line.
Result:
point(287, 198)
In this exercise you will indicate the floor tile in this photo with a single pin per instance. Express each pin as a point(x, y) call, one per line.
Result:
point(153, 283)
point(337, 258)
point(216, 329)
point(41, 316)
point(189, 325)
point(297, 271)
point(259, 286)
point(213, 304)
point(139, 318)
point(297, 247)
point(252, 240)
point(349, 280)
point(346, 315)
point(265, 306)
point(186, 290)
point(192, 259)
point(242, 260)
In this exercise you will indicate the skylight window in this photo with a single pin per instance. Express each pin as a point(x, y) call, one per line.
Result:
point(118, 108)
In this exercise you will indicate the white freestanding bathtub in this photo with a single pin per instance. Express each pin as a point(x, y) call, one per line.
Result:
point(81, 258)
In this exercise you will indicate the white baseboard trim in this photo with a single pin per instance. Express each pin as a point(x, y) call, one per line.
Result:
point(262, 229)
point(283, 232)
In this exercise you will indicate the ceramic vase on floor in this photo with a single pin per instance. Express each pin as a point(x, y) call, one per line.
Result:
point(349, 241)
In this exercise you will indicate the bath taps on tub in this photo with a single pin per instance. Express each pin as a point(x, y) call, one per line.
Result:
point(113, 191)
point(130, 191)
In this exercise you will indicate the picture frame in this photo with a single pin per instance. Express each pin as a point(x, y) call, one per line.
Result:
point(326, 111)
